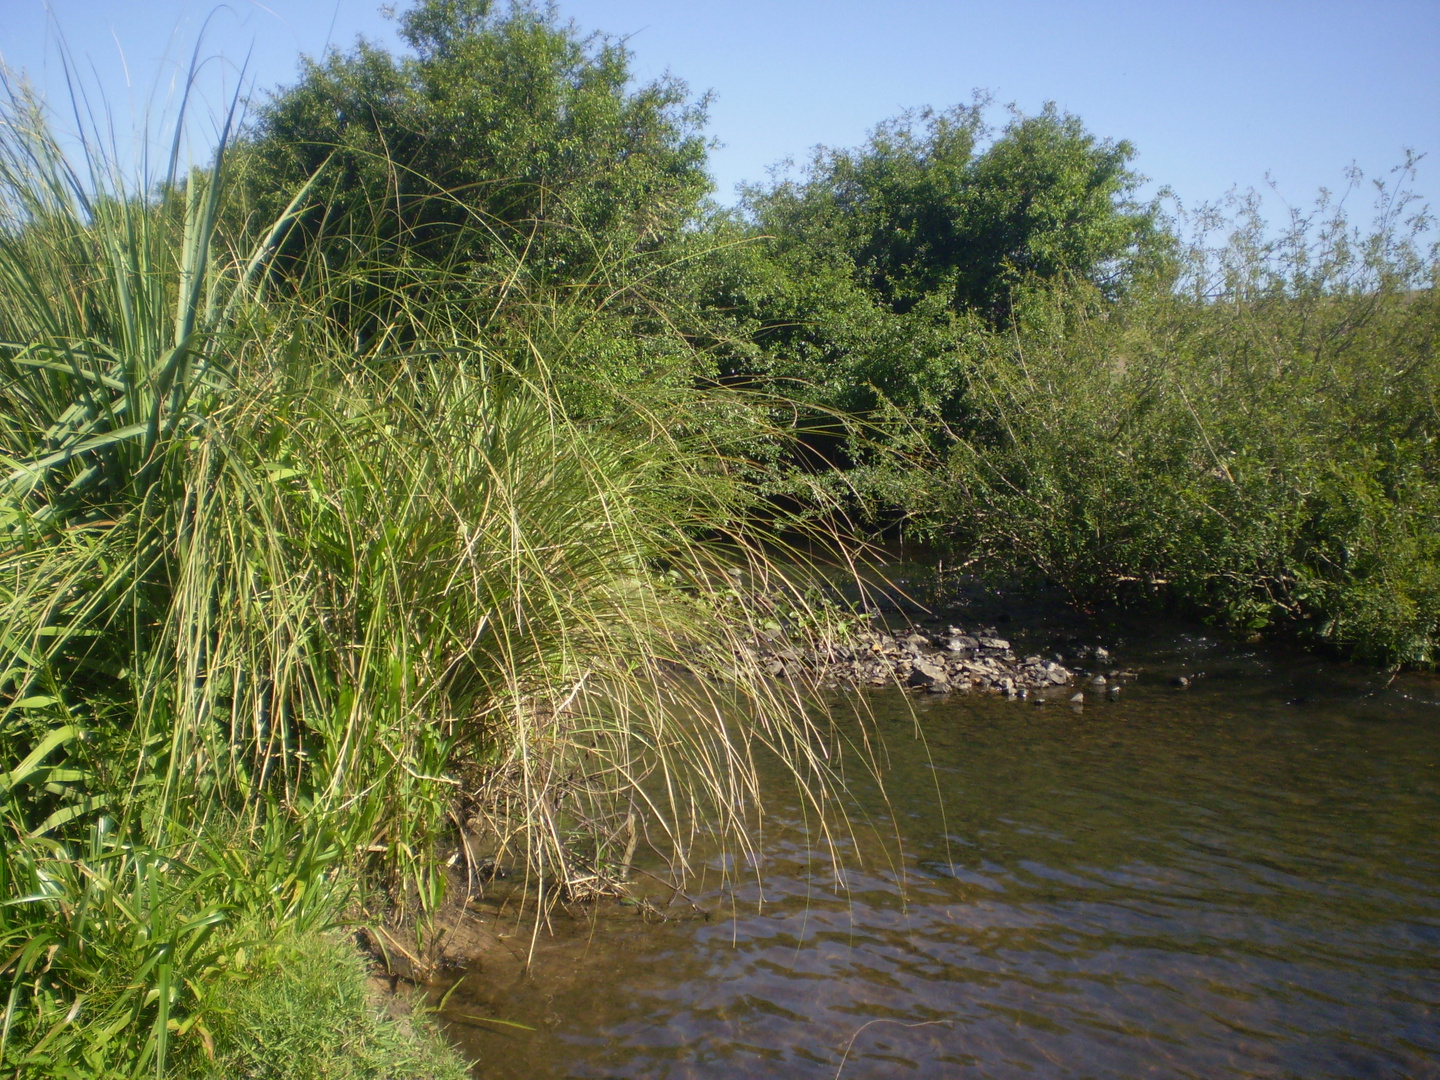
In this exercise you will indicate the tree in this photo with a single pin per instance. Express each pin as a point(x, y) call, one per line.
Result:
point(507, 141)
point(876, 270)
point(917, 211)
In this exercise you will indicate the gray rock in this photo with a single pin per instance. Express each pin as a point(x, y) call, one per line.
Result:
point(927, 675)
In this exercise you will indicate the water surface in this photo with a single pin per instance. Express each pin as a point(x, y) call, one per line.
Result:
point(1237, 880)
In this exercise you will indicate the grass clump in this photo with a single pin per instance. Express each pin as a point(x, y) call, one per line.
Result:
point(273, 593)
point(305, 1010)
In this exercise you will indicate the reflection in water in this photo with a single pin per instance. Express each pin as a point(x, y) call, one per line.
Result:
point(1228, 881)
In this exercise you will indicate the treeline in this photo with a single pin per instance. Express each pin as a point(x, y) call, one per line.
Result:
point(986, 330)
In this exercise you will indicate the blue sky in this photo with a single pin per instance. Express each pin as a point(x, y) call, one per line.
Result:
point(1214, 95)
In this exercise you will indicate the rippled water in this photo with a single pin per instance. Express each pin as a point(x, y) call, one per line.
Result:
point(1239, 880)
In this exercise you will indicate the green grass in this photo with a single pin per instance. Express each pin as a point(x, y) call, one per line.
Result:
point(275, 601)
point(304, 1009)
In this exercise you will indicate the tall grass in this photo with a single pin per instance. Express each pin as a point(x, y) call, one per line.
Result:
point(272, 599)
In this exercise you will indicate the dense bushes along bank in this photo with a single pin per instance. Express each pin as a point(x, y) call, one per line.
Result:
point(1256, 439)
point(402, 454)
point(1244, 426)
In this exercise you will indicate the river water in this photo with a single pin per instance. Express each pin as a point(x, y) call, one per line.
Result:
point(1239, 879)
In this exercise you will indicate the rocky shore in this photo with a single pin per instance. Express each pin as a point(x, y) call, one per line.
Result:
point(952, 660)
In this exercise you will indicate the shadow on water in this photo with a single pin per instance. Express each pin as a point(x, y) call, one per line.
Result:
point(1240, 879)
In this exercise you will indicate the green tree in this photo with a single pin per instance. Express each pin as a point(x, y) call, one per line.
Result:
point(874, 270)
point(507, 140)
point(918, 211)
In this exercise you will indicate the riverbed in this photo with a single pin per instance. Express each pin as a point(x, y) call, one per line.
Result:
point(1238, 878)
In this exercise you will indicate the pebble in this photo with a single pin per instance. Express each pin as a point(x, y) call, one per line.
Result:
point(927, 660)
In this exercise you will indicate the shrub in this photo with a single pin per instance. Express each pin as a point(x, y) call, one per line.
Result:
point(1257, 440)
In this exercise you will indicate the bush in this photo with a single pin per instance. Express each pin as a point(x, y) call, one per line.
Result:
point(1257, 440)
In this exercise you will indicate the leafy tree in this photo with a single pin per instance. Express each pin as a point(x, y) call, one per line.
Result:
point(872, 274)
point(506, 142)
point(918, 211)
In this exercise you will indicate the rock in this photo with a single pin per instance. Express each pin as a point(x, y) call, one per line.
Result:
point(1181, 681)
point(775, 668)
point(1077, 699)
point(1098, 680)
point(998, 644)
point(1102, 654)
point(928, 675)
point(962, 642)
point(1114, 690)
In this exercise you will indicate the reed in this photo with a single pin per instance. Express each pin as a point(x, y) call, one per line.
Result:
point(274, 597)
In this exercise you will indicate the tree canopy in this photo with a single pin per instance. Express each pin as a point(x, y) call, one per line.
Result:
point(922, 209)
point(873, 269)
point(505, 137)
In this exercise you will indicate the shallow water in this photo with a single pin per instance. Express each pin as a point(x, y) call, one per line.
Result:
point(1237, 880)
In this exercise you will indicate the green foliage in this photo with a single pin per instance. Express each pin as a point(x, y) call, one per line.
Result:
point(268, 592)
point(882, 262)
point(299, 1008)
point(1257, 441)
point(507, 144)
point(106, 951)
point(116, 950)
point(918, 211)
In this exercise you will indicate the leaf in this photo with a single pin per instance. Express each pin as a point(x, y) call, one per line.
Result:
point(490, 1020)
point(67, 814)
point(57, 738)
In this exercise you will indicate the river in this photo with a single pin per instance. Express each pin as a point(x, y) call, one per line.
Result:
point(1238, 879)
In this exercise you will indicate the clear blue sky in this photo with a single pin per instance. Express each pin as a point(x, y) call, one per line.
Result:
point(1213, 94)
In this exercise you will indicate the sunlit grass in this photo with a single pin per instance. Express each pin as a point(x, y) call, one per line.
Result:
point(277, 602)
